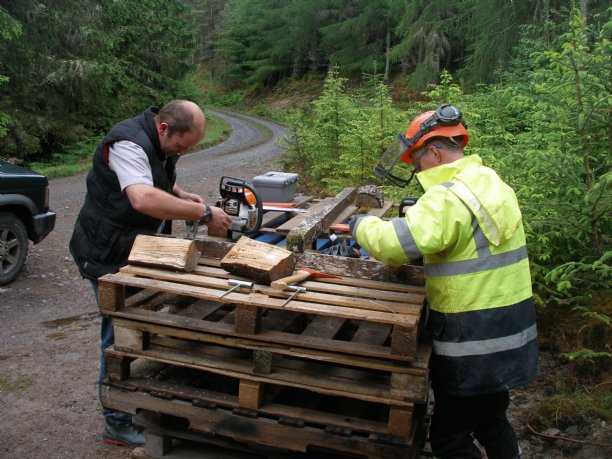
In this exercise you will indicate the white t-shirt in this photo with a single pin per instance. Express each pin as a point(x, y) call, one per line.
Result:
point(131, 164)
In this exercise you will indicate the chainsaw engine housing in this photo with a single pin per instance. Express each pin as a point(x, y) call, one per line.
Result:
point(241, 202)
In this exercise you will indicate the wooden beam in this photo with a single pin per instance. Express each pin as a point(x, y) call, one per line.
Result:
point(307, 227)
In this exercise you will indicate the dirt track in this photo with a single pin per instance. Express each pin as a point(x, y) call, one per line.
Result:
point(50, 324)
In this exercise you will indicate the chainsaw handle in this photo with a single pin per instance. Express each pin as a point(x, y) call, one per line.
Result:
point(240, 183)
point(259, 205)
point(283, 283)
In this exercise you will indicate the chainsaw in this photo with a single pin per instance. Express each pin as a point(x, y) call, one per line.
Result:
point(243, 204)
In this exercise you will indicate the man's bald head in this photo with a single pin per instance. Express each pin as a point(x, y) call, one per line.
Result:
point(182, 116)
point(180, 126)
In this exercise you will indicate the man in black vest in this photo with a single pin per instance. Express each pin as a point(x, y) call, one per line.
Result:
point(131, 190)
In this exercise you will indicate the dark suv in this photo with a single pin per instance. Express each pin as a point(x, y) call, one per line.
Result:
point(24, 214)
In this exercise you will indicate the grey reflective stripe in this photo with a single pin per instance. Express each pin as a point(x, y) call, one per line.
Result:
point(485, 261)
point(475, 265)
point(481, 241)
point(405, 237)
point(485, 346)
point(467, 196)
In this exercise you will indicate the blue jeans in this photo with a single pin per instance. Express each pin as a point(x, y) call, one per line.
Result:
point(107, 338)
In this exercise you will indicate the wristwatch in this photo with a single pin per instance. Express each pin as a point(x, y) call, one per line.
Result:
point(207, 217)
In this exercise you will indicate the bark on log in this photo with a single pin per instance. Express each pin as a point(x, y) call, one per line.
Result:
point(370, 196)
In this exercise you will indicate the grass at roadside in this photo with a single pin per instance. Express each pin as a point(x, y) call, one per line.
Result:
point(77, 158)
point(217, 131)
point(11, 383)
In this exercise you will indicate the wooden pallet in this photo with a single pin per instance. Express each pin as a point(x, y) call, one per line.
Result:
point(189, 402)
point(340, 366)
point(341, 316)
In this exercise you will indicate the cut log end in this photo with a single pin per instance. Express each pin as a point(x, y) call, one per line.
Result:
point(370, 196)
point(259, 261)
point(164, 252)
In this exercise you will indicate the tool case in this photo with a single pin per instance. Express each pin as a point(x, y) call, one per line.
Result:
point(276, 186)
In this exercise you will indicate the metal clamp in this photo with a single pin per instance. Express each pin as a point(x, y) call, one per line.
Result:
point(295, 289)
point(237, 284)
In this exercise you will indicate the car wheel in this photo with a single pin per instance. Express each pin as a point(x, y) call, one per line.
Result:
point(13, 247)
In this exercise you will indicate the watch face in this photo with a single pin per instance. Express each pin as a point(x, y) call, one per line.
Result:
point(207, 215)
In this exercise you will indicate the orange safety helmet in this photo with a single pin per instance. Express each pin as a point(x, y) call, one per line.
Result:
point(446, 121)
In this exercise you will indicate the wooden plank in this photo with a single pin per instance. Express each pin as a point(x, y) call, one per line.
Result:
point(277, 319)
point(384, 299)
point(307, 227)
point(313, 212)
point(323, 327)
point(345, 214)
point(200, 309)
point(374, 284)
point(381, 211)
point(372, 333)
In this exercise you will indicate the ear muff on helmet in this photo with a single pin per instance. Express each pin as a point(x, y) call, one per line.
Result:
point(446, 121)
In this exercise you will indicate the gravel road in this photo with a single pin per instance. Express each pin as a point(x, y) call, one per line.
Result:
point(50, 323)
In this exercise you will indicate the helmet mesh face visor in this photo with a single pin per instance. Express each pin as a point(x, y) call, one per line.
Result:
point(391, 168)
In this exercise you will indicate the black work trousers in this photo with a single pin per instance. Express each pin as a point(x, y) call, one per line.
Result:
point(456, 421)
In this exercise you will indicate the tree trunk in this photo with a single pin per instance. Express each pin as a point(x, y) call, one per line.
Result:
point(387, 50)
point(584, 10)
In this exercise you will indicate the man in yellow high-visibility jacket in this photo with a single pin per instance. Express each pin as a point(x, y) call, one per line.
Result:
point(468, 229)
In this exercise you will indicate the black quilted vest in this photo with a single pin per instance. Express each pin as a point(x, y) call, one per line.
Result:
point(107, 224)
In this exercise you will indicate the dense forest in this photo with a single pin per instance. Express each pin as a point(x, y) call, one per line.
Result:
point(69, 68)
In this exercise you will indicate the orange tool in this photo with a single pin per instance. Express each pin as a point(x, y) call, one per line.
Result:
point(340, 228)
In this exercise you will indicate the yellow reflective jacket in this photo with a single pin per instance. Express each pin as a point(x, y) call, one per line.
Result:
point(468, 228)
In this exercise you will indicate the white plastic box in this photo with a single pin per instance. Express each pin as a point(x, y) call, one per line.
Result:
point(276, 186)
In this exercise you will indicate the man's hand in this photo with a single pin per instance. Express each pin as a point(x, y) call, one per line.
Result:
point(220, 222)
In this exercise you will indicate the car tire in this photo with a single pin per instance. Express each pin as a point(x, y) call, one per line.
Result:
point(13, 247)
